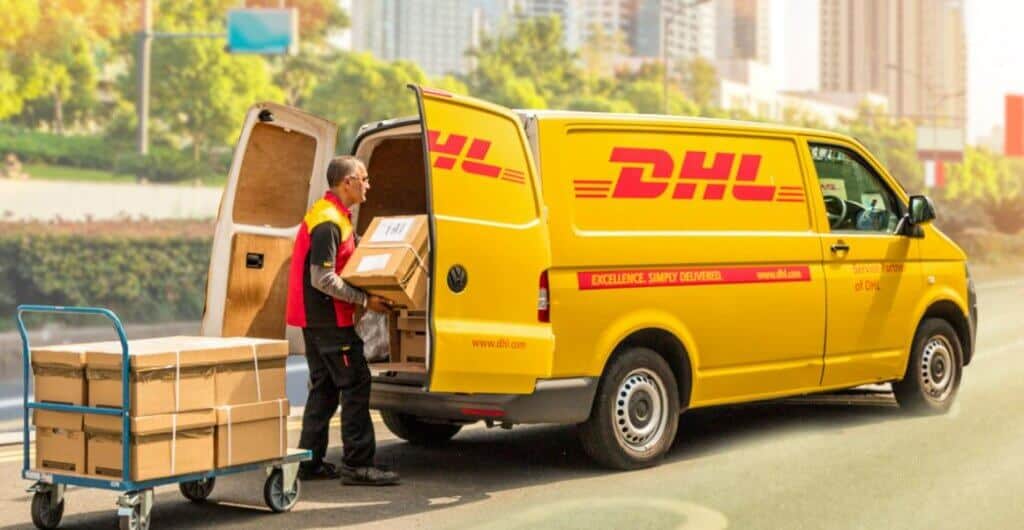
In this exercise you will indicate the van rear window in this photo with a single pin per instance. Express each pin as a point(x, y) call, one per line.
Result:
point(668, 181)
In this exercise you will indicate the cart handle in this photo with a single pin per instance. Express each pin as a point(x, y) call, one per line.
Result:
point(125, 371)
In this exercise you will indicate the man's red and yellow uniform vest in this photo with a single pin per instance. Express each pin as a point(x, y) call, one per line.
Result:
point(325, 238)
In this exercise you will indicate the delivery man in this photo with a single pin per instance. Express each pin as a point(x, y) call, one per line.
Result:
point(323, 305)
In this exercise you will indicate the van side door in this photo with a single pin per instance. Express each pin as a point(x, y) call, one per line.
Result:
point(873, 275)
point(489, 249)
point(277, 172)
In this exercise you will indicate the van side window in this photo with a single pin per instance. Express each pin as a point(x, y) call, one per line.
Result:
point(856, 198)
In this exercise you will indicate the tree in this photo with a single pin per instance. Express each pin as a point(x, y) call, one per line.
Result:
point(527, 67)
point(993, 183)
point(893, 141)
point(50, 55)
point(298, 75)
point(600, 104)
point(202, 91)
point(700, 81)
point(360, 89)
point(600, 51)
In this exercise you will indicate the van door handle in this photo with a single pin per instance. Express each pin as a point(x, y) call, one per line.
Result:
point(839, 246)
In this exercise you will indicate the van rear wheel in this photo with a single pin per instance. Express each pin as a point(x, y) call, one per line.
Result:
point(416, 431)
point(933, 373)
point(635, 414)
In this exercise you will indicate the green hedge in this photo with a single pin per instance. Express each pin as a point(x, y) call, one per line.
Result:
point(141, 279)
point(95, 152)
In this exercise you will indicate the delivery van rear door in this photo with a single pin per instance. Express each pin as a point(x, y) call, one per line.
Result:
point(489, 249)
point(277, 171)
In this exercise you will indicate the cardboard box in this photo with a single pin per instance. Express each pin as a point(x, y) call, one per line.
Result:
point(391, 260)
point(251, 432)
point(59, 374)
point(60, 442)
point(260, 377)
point(413, 347)
point(173, 373)
point(412, 321)
point(163, 445)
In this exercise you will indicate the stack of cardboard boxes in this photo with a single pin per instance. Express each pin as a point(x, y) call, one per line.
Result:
point(196, 403)
point(391, 261)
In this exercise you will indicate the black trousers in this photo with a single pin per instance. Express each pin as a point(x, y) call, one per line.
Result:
point(337, 366)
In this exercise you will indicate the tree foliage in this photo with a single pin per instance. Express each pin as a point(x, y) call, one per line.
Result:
point(993, 183)
point(198, 89)
point(360, 89)
point(529, 67)
point(893, 141)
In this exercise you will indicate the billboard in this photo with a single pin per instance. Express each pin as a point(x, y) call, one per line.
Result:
point(264, 31)
point(940, 143)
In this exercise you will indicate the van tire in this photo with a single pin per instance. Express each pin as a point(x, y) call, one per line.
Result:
point(418, 432)
point(934, 369)
point(637, 390)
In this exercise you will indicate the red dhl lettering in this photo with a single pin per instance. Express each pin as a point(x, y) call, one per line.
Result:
point(448, 153)
point(650, 173)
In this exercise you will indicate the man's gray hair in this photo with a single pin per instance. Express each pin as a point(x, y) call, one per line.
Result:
point(341, 167)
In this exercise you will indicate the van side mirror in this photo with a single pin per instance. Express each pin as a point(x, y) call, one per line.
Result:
point(922, 209)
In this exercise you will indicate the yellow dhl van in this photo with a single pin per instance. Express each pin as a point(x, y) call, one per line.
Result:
point(614, 270)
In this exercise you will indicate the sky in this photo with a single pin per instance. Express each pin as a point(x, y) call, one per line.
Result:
point(994, 43)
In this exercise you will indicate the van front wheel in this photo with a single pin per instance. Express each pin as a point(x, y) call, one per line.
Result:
point(416, 431)
point(933, 373)
point(635, 413)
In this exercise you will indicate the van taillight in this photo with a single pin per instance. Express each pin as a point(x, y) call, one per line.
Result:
point(544, 299)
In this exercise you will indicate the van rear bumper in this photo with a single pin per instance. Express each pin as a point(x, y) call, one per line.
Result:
point(552, 401)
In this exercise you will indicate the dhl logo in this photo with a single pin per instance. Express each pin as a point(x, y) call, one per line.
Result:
point(454, 147)
point(694, 173)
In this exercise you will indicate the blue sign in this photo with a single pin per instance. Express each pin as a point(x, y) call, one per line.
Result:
point(265, 31)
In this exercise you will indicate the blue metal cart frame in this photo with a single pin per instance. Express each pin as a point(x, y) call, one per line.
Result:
point(281, 490)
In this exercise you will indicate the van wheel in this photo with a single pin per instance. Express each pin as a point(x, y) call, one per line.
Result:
point(932, 379)
point(418, 432)
point(635, 414)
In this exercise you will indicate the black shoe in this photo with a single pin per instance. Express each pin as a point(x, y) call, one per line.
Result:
point(323, 471)
point(367, 476)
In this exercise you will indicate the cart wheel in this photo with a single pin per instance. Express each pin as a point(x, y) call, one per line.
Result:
point(274, 495)
point(44, 515)
point(133, 521)
point(197, 490)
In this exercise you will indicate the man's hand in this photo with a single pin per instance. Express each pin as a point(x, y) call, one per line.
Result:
point(378, 304)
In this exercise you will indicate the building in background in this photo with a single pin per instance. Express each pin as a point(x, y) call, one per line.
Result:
point(435, 35)
point(671, 29)
point(913, 52)
point(743, 30)
point(569, 12)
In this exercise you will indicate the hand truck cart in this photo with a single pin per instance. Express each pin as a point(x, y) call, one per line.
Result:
point(280, 491)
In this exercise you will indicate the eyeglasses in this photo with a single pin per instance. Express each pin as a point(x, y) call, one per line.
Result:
point(365, 178)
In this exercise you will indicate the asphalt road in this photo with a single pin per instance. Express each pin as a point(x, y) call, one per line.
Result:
point(825, 462)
